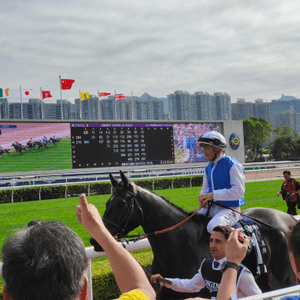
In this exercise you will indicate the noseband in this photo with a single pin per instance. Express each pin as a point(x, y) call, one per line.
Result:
point(133, 202)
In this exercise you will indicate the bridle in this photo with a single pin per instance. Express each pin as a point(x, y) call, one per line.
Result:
point(133, 202)
point(128, 214)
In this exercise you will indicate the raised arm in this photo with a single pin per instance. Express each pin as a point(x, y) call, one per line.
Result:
point(127, 271)
point(235, 252)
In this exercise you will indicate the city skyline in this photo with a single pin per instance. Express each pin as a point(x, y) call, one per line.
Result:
point(245, 49)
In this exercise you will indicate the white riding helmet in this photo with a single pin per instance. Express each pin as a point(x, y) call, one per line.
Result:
point(213, 138)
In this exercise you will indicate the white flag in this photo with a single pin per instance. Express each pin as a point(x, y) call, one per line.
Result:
point(27, 93)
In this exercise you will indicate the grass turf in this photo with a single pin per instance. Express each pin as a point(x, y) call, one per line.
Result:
point(54, 158)
point(17, 215)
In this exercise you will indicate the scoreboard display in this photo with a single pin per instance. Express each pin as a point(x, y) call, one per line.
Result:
point(121, 144)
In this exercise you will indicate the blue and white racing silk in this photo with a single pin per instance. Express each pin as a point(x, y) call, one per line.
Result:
point(225, 178)
point(190, 142)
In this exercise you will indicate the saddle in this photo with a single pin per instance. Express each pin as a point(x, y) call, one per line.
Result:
point(251, 228)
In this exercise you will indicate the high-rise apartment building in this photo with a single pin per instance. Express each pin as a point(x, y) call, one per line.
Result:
point(262, 109)
point(4, 108)
point(223, 106)
point(107, 108)
point(242, 109)
point(179, 105)
point(200, 106)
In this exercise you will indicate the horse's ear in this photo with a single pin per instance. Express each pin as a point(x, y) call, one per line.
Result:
point(124, 179)
point(113, 180)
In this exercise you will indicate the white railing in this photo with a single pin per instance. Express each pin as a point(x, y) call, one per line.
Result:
point(291, 291)
point(270, 174)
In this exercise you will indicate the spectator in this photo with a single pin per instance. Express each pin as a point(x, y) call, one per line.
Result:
point(209, 275)
point(290, 190)
point(48, 261)
point(236, 251)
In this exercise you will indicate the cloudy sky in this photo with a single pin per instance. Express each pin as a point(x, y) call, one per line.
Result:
point(248, 49)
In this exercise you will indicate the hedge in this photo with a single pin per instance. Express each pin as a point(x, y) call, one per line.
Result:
point(97, 188)
point(104, 284)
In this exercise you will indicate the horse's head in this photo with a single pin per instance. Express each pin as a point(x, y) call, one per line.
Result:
point(123, 212)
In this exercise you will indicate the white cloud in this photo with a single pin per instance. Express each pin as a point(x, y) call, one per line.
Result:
point(247, 49)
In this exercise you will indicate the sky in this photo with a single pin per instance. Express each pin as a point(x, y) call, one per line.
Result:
point(248, 49)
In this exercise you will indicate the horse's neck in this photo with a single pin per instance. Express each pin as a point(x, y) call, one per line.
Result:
point(158, 213)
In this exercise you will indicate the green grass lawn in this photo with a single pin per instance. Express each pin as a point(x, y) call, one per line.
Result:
point(17, 215)
point(54, 158)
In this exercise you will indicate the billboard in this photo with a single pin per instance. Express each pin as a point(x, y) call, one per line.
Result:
point(38, 146)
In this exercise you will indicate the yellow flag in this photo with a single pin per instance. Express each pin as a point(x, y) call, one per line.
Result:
point(84, 96)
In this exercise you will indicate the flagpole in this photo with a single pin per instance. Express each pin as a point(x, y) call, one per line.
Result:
point(80, 106)
point(21, 103)
point(98, 105)
point(60, 87)
point(132, 105)
point(61, 107)
point(115, 106)
point(41, 102)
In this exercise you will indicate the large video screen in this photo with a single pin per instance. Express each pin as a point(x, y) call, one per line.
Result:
point(115, 144)
point(37, 146)
point(186, 136)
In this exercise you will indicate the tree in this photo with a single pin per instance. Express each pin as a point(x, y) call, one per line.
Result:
point(286, 144)
point(256, 131)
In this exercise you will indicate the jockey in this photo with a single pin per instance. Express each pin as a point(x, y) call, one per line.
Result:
point(190, 141)
point(223, 182)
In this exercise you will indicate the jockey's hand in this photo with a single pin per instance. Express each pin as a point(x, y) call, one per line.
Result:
point(153, 278)
point(235, 250)
point(203, 199)
point(279, 192)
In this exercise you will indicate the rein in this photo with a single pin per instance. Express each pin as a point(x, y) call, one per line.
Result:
point(127, 216)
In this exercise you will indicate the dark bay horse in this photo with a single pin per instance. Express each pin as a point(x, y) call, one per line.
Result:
point(19, 148)
point(179, 253)
point(3, 151)
point(55, 141)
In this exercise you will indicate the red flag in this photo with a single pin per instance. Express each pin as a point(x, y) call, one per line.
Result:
point(119, 97)
point(46, 94)
point(103, 94)
point(66, 84)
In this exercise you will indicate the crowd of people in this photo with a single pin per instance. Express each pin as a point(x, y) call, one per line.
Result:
point(47, 260)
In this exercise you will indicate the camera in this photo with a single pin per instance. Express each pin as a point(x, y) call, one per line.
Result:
point(242, 237)
point(289, 196)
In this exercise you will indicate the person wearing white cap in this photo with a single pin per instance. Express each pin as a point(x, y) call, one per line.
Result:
point(223, 182)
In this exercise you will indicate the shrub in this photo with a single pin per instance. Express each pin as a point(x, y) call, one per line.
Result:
point(104, 284)
point(98, 188)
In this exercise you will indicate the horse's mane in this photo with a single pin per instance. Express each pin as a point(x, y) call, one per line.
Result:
point(197, 218)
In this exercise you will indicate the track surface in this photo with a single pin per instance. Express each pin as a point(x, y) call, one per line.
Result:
point(25, 131)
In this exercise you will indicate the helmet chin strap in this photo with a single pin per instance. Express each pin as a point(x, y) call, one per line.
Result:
point(216, 153)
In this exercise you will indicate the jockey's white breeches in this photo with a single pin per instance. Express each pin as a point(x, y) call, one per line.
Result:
point(221, 216)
